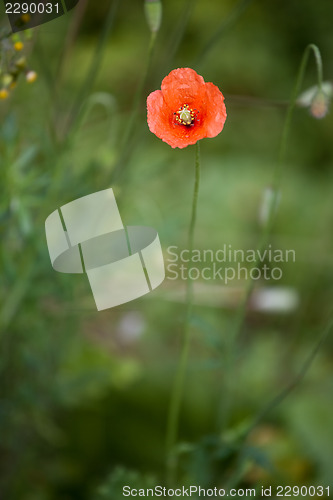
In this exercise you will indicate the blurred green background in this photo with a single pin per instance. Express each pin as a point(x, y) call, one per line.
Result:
point(84, 394)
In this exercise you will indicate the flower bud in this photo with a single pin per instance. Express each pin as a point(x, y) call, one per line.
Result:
point(31, 76)
point(27, 32)
point(269, 205)
point(4, 93)
point(7, 79)
point(18, 46)
point(317, 99)
point(21, 63)
point(25, 18)
point(153, 12)
point(319, 105)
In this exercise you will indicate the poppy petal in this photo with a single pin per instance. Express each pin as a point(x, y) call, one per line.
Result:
point(160, 119)
point(158, 112)
point(183, 86)
point(216, 113)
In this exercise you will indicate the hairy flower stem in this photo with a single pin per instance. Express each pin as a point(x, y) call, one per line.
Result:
point(235, 332)
point(178, 388)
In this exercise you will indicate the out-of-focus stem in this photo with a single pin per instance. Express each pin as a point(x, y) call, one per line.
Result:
point(234, 15)
point(277, 400)
point(271, 211)
point(292, 104)
point(121, 168)
point(94, 66)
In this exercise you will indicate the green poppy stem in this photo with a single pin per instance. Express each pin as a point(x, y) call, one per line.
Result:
point(178, 388)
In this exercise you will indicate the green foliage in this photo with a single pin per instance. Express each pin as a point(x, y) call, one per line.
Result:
point(84, 395)
point(112, 489)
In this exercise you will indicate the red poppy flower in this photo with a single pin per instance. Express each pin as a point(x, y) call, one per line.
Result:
point(186, 109)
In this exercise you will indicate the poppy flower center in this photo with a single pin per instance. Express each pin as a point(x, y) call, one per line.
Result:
point(185, 115)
